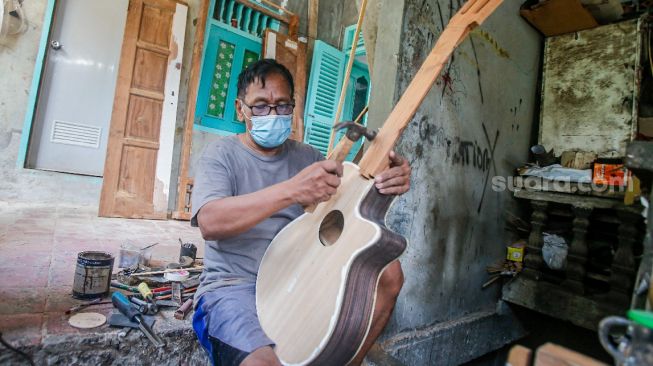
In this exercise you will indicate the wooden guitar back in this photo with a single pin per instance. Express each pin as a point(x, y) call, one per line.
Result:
point(306, 290)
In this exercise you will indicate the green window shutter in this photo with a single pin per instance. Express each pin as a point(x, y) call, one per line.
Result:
point(325, 83)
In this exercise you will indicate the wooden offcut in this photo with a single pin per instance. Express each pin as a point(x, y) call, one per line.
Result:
point(472, 14)
point(291, 53)
point(553, 355)
point(183, 197)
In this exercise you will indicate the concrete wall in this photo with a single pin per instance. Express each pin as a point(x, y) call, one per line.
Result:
point(17, 60)
point(474, 124)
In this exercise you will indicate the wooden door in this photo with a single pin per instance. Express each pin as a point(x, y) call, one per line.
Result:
point(292, 54)
point(139, 152)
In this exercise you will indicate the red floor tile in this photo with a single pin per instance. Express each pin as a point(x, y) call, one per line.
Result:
point(25, 277)
point(61, 276)
point(12, 258)
point(60, 299)
point(20, 301)
point(21, 329)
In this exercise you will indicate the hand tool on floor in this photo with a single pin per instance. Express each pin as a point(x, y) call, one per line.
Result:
point(142, 306)
point(79, 307)
point(126, 308)
point(147, 294)
point(184, 309)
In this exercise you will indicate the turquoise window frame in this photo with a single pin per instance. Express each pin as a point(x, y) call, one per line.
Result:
point(349, 40)
point(201, 123)
point(34, 87)
point(220, 33)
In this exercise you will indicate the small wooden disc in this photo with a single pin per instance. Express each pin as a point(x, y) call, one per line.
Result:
point(87, 320)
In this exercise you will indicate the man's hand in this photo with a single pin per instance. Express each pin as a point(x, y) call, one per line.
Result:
point(396, 179)
point(316, 183)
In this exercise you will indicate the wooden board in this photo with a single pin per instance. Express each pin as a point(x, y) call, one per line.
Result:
point(553, 355)
point(130, 187)
point(183, 208)
point(591, 108)
point(292, 54)
point(519, 356)
point(323, 295)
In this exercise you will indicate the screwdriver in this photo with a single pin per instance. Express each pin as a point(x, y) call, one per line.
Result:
point(148, 296)
point(127, 309)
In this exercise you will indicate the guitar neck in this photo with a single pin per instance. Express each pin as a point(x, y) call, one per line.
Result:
point(472, 14)
point(376, 158)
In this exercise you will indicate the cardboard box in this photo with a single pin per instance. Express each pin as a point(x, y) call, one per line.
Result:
point(555, 17)
point(610, 173)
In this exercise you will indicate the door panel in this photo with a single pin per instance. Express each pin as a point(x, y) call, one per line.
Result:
point(139, 153)
point(71, 123)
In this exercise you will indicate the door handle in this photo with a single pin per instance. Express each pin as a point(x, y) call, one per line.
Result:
point(55, 45)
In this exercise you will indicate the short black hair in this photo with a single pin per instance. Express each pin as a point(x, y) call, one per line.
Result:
point(258, 71)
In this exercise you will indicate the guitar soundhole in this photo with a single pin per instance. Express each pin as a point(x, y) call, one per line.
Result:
point(331, 227)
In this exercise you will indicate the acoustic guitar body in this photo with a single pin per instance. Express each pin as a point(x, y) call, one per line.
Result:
point(316, 285)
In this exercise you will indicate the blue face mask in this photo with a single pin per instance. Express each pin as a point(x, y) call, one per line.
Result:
point(272, 130)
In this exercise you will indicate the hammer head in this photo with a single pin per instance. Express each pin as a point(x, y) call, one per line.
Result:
point(355, 131)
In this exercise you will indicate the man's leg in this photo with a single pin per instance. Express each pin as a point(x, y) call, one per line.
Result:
point(390, 283)
point(263, 356)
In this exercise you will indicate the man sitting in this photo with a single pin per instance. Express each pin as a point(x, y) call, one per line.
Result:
point(247, 188)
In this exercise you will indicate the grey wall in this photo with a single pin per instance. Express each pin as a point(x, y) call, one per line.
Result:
point(453, 219)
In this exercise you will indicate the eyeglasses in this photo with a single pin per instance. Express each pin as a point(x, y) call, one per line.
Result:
point(265, 109)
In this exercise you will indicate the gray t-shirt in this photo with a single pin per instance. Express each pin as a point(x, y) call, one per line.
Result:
point(228, 168)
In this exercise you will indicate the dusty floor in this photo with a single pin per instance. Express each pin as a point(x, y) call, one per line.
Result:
point(38, 252)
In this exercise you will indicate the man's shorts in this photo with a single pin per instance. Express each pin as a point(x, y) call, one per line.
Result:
point(227, 325)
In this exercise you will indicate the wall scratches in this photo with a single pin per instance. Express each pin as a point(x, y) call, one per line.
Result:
point(478, 70)
point(487, 174)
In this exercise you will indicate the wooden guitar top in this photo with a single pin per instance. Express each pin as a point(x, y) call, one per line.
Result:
point(301, 281)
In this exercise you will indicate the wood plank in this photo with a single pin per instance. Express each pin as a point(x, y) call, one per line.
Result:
point(350, 65)
point(556, 301)
point(553, 355)
point(147, 93)
point(313, 8)
point(370, 26)
point(191, 101)
point(291, 53)
point(473, 13)
point(519, 356)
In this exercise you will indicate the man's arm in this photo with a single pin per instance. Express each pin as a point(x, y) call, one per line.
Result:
point(230, 216)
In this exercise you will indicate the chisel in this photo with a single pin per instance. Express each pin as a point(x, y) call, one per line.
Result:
point(129, 310)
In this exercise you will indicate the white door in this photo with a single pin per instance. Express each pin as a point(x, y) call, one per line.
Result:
point(73, 111)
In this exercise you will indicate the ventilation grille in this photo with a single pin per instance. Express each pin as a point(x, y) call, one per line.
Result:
point(76, 134)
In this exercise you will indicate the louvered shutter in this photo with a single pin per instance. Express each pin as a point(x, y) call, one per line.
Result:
point(325, 83)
